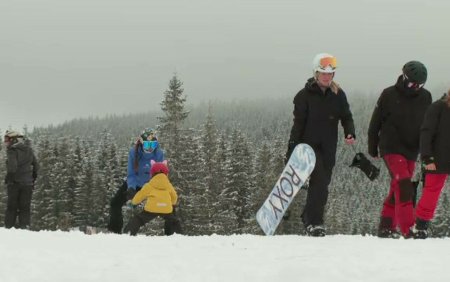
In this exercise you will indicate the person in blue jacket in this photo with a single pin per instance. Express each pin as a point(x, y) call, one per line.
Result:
point(145, 149)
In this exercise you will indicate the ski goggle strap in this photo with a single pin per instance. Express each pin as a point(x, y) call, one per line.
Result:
point(149, 145)
point(328, 62)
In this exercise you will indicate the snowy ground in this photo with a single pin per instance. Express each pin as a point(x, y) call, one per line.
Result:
point(74, 256)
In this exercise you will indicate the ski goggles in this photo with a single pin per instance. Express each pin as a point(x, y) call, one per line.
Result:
point(412, 85)
point(328, 62)
point(149, 145)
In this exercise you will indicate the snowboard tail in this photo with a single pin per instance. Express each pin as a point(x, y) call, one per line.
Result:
point(296, 172)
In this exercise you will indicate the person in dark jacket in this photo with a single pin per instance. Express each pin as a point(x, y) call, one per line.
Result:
point(393, 134)
point(435, 154)
point(21, 174)
point(318, 108)
point(145, 149)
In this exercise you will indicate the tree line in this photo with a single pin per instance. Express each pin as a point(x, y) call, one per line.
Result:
point(224, 159)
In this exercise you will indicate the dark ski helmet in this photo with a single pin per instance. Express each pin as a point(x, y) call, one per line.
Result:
point(415, 71)
point(148, 132)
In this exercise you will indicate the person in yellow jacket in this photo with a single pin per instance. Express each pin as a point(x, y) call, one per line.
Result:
point(161, 198)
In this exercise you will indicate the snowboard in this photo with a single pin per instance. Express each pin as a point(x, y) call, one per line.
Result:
point(295, 174)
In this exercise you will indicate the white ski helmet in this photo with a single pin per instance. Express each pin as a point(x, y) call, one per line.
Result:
point(324, 62)
point(13, 134)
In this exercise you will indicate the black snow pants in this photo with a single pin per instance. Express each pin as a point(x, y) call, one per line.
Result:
point(18, 205)
point(115, 209)
point(119, 199)
point(171, 222)
point(317, 197)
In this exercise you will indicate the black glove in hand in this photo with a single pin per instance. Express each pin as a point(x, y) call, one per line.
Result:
point(291, 147)
point(427, 160)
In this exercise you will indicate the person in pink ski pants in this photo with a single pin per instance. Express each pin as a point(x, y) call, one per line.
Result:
point(435, 154)
point(394, 134)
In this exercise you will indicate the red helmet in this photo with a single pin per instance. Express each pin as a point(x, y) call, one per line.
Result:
point(159, 167)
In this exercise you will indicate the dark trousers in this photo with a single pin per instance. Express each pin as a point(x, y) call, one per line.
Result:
point(171, 223)
point(317, 192)
point(115, 209)
point(18, 205)
point(119, 199)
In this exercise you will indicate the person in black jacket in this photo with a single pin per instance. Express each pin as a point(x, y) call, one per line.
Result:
point(21, 174)
point(435, 153)
point(318, 108)
point(393, 134)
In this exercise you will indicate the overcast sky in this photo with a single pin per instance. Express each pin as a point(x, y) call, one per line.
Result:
point(62, 59)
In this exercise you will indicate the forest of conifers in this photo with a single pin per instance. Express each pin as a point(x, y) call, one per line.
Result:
point(224, 159)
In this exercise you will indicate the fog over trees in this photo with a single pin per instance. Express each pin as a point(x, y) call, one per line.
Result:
point(224, 159)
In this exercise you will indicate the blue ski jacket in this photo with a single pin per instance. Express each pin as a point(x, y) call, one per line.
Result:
point(138, 177)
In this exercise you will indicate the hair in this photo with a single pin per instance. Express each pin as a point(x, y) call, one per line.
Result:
point(334, 85)
point(136, 155)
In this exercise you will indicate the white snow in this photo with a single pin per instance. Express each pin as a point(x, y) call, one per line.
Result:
point(74, 256)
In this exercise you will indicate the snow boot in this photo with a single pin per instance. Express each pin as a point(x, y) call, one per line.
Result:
point(388, 233)
point(316, 230)
point(420, 229)
point(386, 229)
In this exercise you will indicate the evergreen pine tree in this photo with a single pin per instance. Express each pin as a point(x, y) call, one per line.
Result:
point(43, 201)
point(210, 173)
point(240, 181)
point(173, 106)
point(83, 194)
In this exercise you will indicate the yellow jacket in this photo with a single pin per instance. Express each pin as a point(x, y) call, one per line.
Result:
point(159, 193)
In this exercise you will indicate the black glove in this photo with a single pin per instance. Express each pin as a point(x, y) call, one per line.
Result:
point(360, 161)
point(291, 147)
point(130, 193)
point(373, 151)
point(427, 160)
point(34, 179)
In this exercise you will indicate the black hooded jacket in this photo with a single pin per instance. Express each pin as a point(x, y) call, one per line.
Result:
point(21, 164)
point(435, 136)
point(316, 118)
point(396, 120)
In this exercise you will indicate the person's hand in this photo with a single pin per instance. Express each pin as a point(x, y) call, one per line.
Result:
point(350, 140)
point(139, 140)
point(130, 204)
point(34, 180)
point(430, 167)
point(374, 154)
point(291, 147)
